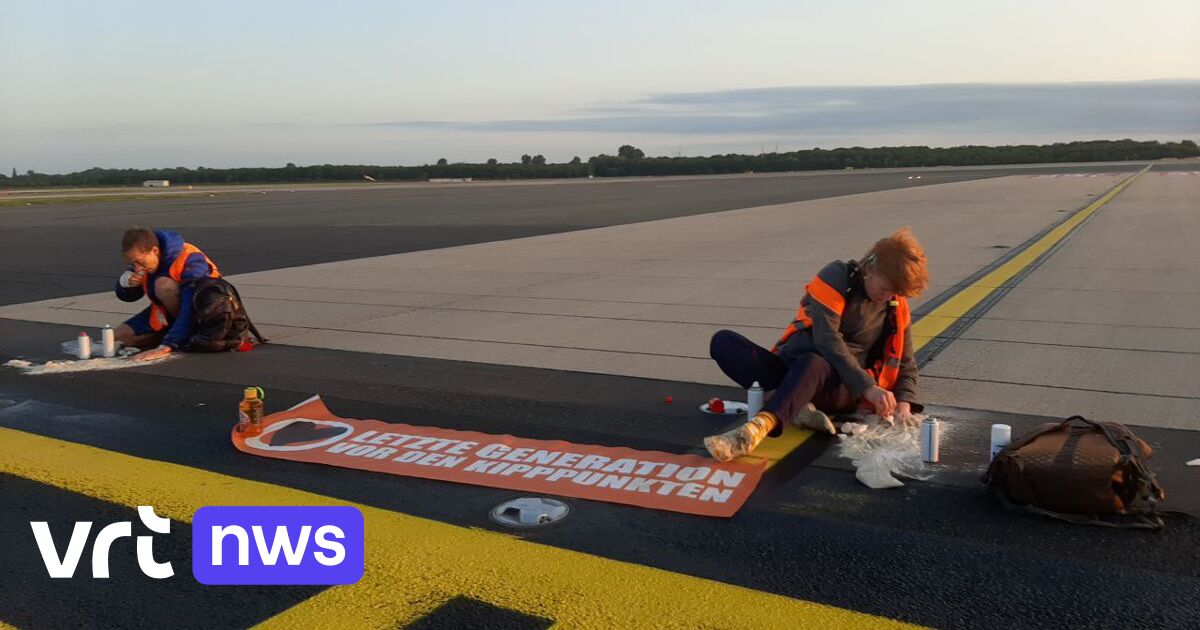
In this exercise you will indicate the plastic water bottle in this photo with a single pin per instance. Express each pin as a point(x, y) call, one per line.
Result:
point(931, 438)
point(1001, 437)
point(250, 412)
point(85, 346)
point(108, 339)
point(754, 400)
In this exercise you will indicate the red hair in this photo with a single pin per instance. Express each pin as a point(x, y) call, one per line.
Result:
point(901, 260)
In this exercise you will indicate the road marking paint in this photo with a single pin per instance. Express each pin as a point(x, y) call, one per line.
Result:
point(945, 315)
point(415, 565)
point(937, 321)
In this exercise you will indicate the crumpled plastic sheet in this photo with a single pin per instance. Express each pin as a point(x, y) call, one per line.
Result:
point(880, 452)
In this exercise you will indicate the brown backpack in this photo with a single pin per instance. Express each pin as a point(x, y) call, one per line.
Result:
point(1077, 470)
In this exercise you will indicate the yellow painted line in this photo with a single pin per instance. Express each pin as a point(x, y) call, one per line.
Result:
point(941, 318)
point(414, 565)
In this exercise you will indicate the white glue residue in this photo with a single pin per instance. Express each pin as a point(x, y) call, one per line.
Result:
point(85, 365)
point(880, 451)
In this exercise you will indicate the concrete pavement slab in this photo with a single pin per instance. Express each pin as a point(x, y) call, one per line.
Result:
point(1105, 327)
point(626, 299)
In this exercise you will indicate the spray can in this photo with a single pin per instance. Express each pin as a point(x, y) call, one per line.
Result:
point(108, 339)
point(754, 400)
point(1001, 437)
point(931, 437)
point(250, 411)
point(85, 346)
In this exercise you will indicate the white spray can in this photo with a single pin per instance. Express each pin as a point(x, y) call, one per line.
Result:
point(931, 437)
point(85, 346)
point(754, 400)
point(1001, 437)
point(108, 339)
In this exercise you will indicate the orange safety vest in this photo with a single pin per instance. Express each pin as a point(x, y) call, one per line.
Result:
point(158, 314)
point(886, 370)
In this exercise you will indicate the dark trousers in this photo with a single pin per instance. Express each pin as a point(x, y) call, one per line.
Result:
point(810, 378)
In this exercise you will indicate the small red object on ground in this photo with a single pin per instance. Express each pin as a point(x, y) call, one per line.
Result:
point(245, 346)
point(716, 405)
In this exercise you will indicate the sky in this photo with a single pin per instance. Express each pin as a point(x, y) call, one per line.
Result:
point(220, 84)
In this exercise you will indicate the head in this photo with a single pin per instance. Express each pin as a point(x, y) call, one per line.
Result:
point(895, 266)
point(139, 247)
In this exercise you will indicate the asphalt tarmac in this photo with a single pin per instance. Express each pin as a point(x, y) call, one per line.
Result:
point(940, 553)
point(69, 249)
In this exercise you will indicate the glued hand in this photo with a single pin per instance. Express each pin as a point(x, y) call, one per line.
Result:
point(150, 355)
point(880, 398)
point(905, 416)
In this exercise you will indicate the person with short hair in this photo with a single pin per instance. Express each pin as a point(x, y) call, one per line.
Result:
point(849, 347)
point(164, 269)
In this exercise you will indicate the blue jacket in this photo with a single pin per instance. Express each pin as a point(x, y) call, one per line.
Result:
point(169, 246)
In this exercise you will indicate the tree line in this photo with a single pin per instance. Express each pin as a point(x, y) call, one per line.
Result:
point(630, 161)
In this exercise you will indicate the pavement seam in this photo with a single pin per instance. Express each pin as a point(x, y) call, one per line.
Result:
point(1067, 387)
point(961, 316)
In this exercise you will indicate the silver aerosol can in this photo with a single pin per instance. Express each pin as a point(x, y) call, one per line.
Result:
point(108, 339)
point(85, 346)
point(754, 399)
point(1001, 437)
point(931, 437)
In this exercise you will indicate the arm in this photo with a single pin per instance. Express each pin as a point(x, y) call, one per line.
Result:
point(906, 386)
point(829, 342)
point(181, 330)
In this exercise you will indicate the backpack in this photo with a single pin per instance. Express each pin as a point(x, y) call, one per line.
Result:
point(219, 320)
point(1078, 470)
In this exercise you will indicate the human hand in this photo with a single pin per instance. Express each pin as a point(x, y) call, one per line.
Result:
point(880, 398)
point(150, 355)
point(133, 278)
point(904, 415)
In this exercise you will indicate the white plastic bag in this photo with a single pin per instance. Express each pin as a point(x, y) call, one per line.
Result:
point(881, 451)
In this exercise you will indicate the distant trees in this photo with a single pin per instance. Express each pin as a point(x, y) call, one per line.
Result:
point(631, 161)
point(630, 152)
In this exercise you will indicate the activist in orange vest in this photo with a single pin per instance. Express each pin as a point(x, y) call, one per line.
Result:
point(849, 346)
point(163, 268)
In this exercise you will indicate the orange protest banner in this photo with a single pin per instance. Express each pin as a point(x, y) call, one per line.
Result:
point(309, 432)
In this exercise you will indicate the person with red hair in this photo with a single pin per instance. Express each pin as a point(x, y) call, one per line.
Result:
point(849, 347)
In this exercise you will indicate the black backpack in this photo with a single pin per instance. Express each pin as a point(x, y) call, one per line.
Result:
point(219, 320)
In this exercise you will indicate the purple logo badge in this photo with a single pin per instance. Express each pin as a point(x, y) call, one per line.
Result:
point(277, 545)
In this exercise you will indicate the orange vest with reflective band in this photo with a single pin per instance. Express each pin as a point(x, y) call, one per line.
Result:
point(886, 370)
point(158, 314)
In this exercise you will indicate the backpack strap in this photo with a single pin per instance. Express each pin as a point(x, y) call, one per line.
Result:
point(249, 322)
point(1148, 488)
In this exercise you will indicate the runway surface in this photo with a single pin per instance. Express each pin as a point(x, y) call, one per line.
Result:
point(499, 310)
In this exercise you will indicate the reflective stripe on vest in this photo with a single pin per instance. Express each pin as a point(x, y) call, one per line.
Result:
point(885, 371)
point(158, 314)
point(820, 291)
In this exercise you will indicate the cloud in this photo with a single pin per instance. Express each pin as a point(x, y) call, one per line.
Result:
point(1164, 106)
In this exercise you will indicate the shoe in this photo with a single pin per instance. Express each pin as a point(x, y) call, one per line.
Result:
point(742, 440)
point(809, 417)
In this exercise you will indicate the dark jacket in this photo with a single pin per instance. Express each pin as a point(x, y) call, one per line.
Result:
point(846, 341)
